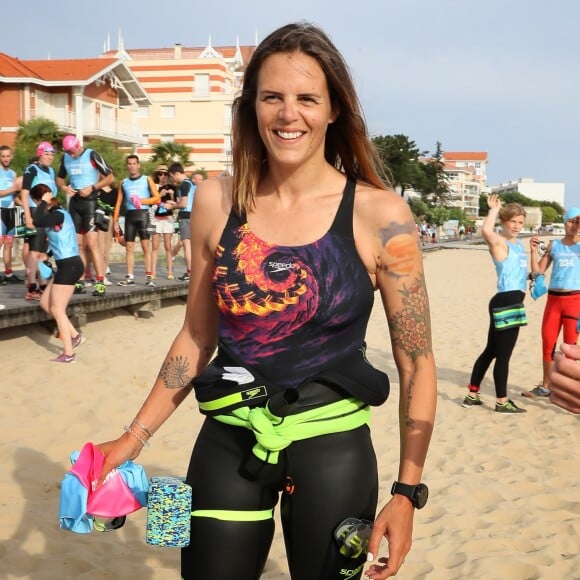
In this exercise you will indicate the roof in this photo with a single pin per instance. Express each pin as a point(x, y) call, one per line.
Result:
point(82, 69)
point(186, 52)
point(13, 67)
point(73, 72)
point(465, 155)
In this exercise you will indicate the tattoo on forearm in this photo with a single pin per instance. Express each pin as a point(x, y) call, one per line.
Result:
point(410, 327)
point(401, 245)
point(175, 373)
point(409, 421)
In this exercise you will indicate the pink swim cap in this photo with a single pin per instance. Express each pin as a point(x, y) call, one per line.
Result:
point(44, 147)
point(69, 143)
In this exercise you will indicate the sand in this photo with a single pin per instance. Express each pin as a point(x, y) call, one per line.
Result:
point(505, 490)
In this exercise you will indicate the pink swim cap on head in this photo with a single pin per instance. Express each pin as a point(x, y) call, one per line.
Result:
point(69, 143)
point(44, 147)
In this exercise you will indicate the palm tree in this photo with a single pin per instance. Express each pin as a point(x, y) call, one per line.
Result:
point(29, 135)
point(168, 152)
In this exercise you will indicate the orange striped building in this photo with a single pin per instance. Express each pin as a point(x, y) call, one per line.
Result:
point(191, 92)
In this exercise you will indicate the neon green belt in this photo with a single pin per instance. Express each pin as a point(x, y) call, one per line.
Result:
point(273, 434)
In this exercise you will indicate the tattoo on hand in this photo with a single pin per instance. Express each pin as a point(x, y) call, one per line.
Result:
point(410, 327)
point(175, 373)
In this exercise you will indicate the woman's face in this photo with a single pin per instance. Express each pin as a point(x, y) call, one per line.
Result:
point(293, 108)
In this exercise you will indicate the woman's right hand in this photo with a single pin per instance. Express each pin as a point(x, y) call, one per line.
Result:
point(117, 452)
point(493, 201)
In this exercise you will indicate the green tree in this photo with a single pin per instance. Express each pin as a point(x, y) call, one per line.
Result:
point(419, 208)
point(168, 152)
point(549, 215)
point(400, 156)
point(436, 189)
point(29, 135)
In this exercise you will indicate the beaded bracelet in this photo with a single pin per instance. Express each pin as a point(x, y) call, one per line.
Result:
point(143, 442)
point(142, 427)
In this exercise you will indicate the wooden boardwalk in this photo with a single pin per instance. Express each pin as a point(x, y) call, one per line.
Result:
point(135, 298)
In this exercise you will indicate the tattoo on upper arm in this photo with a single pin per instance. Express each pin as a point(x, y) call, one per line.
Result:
point(175, 373)
point(401, 245)
point(410, 326)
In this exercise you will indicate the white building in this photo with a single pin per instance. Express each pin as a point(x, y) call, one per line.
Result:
point(553, 192)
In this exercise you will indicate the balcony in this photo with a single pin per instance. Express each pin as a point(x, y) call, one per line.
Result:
point(94, 125)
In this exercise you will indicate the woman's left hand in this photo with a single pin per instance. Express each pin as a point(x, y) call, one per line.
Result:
point(395, 523)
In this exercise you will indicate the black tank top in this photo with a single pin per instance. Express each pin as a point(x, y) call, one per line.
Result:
point(290, 311)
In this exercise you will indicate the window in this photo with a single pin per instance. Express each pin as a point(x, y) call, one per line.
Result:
point(165, 138)
point(167, 111)
point(201, 87)
point(143, 113)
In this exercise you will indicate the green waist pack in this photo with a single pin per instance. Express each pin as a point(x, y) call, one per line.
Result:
point(505, 317)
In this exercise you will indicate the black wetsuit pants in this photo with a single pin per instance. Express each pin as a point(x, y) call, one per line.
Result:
point(500, 345)
point(334, 477)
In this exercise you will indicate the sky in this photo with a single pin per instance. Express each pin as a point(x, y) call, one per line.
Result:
point(501, 76)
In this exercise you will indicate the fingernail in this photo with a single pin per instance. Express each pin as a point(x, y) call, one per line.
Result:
point(370, 557)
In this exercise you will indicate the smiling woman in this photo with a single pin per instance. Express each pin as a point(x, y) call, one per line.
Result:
point(286, 256)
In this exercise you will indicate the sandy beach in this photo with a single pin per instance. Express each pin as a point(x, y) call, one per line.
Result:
point(505, 490)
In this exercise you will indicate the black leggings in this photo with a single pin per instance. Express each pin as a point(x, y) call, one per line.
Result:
point(500, 345)
point(335, 477)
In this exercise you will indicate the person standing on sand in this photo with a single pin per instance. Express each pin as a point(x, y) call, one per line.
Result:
point(286, 257)
point(563, 304)
point(506, 310)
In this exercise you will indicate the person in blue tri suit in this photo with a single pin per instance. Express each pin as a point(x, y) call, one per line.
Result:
point(87, 174)
point(10, 185)
point(183, 203)
point(137, 194)
point(62, 239)
point(511, 264)
point(39, 171)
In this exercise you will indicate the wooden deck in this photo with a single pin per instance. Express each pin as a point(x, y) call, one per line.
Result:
point(135, 298)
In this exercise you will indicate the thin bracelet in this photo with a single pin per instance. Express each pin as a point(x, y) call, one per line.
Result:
point(136, 435)
point(142, 427)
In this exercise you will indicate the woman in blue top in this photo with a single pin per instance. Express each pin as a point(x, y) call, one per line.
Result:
point(506, 313)
point(62, 240)
point(563, 303)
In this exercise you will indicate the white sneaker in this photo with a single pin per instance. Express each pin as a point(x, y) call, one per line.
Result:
point(107, 282)
point(108, 272)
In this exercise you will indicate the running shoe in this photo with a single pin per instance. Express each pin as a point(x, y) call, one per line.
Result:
point(508, 407)
point(13, 279)
point(78, 340)
point(99, 289)
point(538, 391)
point(150, 282)
point(80, 287)
point(471, 401)
point(89, 282)
point(35, 294)
point(107, 282)
point(128, 281)
point(64, 358)
point(184, 278)
point(170, 277)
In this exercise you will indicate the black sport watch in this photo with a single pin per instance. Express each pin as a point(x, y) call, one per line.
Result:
point(418, 494)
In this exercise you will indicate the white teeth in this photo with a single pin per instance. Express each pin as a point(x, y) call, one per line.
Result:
point(286, 135)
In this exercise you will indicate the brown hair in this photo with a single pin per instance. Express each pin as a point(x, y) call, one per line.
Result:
point(347, 146)
point(38, 191)
point(510, 210)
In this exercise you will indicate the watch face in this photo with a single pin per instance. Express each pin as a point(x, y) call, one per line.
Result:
point(421, 496)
